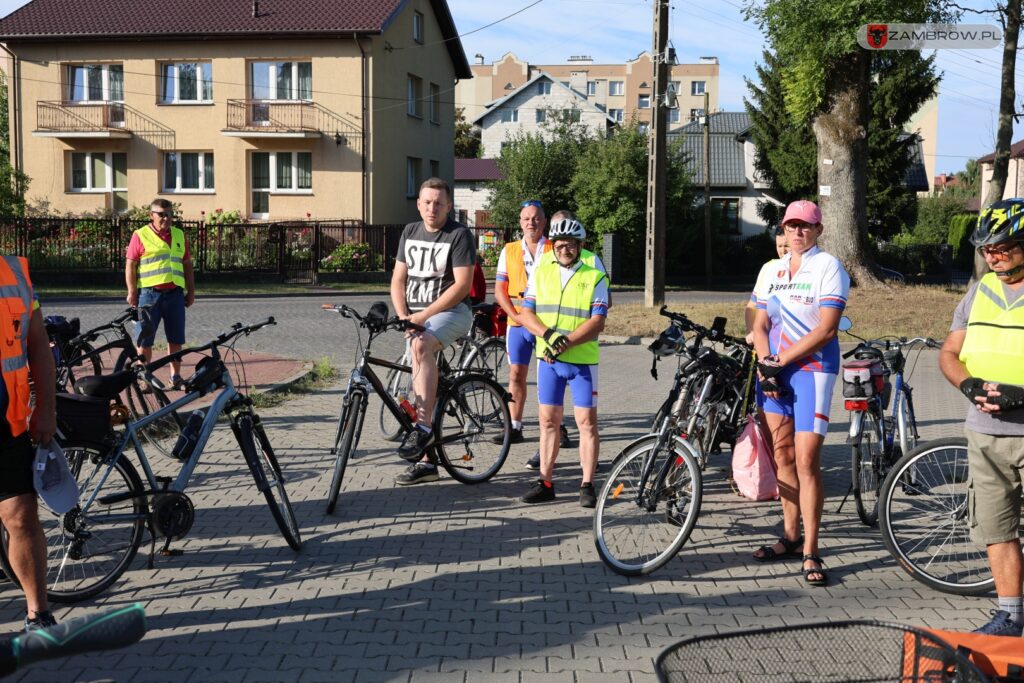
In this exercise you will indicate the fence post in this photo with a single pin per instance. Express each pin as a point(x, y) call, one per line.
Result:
point(315, 249)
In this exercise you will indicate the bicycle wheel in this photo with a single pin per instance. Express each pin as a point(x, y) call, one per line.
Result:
point(142, 399)
point(88, 548)
point(468, 416)
point(491, 356)
point(269, 480)
point(866, 468)
point(631, 538)
point(395, 382)
point(81, 361)
point(924, 521)
point(351, 417)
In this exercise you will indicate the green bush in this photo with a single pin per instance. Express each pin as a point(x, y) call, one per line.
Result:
point(934, 215)
point(960, 228)
point(351, 258)
point(489, 256)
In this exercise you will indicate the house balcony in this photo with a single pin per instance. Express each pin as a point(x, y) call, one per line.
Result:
point(272, 119)
point(57, 119)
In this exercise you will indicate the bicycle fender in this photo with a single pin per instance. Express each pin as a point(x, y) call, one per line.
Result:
point(856, 428)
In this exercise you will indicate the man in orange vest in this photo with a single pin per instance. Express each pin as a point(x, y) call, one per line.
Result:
point(24, 350)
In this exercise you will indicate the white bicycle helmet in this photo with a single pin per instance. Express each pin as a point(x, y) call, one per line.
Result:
point(567, 227)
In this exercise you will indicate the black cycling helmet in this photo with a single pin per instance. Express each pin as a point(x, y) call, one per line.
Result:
point(1001, 222)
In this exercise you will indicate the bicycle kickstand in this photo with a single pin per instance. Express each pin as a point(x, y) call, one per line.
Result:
point(843, 501)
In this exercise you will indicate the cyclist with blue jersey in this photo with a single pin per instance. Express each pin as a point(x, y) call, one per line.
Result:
point(795, 335)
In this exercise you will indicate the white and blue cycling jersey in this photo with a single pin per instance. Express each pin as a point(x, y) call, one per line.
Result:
point(794, 305)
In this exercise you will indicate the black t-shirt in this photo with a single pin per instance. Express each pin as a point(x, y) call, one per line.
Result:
point(430, 258)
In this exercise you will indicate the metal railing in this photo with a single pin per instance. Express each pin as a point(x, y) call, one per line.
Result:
point(80, 116)
point(275, 115)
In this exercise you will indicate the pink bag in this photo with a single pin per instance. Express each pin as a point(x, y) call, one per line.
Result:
point(753, 467)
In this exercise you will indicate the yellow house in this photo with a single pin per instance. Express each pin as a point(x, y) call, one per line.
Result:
point(281, 109)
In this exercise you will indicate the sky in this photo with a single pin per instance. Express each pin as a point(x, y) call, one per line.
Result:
point(610, 31)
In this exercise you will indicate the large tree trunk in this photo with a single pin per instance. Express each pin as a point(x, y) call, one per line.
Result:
point(841, 132)
point(1004, 133)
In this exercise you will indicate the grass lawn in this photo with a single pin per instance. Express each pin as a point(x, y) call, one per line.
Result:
point(903, 311)
point(222, 288)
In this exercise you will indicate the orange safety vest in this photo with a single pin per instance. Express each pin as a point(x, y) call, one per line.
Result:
point(15, 311)
point(517, 279)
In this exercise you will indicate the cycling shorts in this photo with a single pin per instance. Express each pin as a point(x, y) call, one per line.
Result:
point(520, 344)
point(552, 378)
point(806, 397)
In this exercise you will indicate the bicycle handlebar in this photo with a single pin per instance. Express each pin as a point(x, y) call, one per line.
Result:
point(236, 330)
point(900, 343)
point(688, 325)
point(392, 322)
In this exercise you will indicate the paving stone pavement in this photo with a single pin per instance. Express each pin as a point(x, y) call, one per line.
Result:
point(446, 582)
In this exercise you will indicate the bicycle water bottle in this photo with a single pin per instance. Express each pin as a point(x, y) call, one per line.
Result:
point(189, 435)
point(409, 408)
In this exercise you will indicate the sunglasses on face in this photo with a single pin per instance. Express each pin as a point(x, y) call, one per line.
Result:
point(801, 227)
point(566, 246)
point(531, 202)
point(162, 214)
point(999, 251)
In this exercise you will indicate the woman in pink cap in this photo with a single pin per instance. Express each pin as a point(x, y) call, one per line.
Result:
point(798, 311)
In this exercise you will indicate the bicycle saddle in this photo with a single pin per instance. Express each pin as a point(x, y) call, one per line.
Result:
point(105, 386)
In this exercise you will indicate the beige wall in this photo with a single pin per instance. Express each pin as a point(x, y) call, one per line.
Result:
point(1014, 179)
point(337, 84)
point(926, 124)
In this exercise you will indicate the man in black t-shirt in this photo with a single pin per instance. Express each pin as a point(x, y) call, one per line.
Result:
point(430, 287)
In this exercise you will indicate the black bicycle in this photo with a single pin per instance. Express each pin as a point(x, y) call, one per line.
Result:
point(471, 409)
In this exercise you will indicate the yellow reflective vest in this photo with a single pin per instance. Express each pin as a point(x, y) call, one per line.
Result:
point(161, 262)
point(15, 311)
point(994, 346)
point(565, 309)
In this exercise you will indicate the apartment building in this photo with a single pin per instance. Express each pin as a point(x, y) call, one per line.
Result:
point(281, 109)
point(623, 90)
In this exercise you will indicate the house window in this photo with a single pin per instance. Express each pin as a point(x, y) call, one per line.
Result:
point(464, 216)
point(509, 115)
point(279, 173)
point(281, 80)
point(571, 115)
point(642, 128)
point(673, 87)
point(727, 212)
point(188, 172)
point(673, 115)
point(697, 88)
point(435, 168)
point(412, 176)
point(417, 27)
point(615, 87)
point(544, 87)
point(542, 115)
point(99, 171)
point(591, 88)
point(696, 113)
point(186, 82)
point(643, 102)
point(435, 103)
point(414, 96)
point(616, 114)
point(95, 82)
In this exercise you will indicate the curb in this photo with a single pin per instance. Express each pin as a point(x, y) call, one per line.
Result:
point(306, 371)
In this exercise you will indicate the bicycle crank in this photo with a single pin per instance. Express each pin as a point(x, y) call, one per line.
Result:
point(173, 515)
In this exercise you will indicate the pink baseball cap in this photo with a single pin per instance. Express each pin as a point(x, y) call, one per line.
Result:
point(803, 210)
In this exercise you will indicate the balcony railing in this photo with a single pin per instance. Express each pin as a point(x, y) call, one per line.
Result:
point(81, 117)
point(272, 116)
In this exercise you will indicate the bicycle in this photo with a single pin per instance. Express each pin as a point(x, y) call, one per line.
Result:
point(878, 440)
point(76, 357)
point(478, 350)
point(108, 630)
point(650, 502)
point(92, 545)
point(924, 519)
point(471, 408)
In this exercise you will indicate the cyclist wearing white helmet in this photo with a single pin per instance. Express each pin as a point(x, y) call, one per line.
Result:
point(984, 356)
point(565, 307)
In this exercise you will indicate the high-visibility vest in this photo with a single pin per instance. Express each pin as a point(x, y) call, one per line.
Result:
point(994, 345)
point(564, 310)
point(161, 262)
point(517, 276)
point(15, 312)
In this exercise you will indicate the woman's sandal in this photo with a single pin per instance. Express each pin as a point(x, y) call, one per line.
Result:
point(769, 554)
point(820, 570)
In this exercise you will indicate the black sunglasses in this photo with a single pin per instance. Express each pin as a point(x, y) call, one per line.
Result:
point(532, 202)
point(162, 214)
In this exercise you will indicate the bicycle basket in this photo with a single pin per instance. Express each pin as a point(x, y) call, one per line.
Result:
point(83, 418)
point(894, 360)
point(376, 316)
point(59, 326)
point(863, 378)
point(824, 653)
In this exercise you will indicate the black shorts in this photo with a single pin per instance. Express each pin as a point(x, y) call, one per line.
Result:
point(16, 458)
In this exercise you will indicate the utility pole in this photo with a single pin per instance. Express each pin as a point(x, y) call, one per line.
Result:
point(707, 191)
point(654, 278)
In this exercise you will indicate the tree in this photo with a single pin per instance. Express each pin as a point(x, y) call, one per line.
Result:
point(826, 80)
point(13, 184)
point(467, 137)
point(968, 181)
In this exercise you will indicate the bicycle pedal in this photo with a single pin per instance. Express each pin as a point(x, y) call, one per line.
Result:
point(171, 552)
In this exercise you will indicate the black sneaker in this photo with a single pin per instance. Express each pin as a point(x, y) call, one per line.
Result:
point(534, 462)
point(40, 620)
point(588, 498)
point(417, 473)
point(539, 493)
point(1001, 625)
point(565, 442)
point(515, 436)
point(414, 443)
